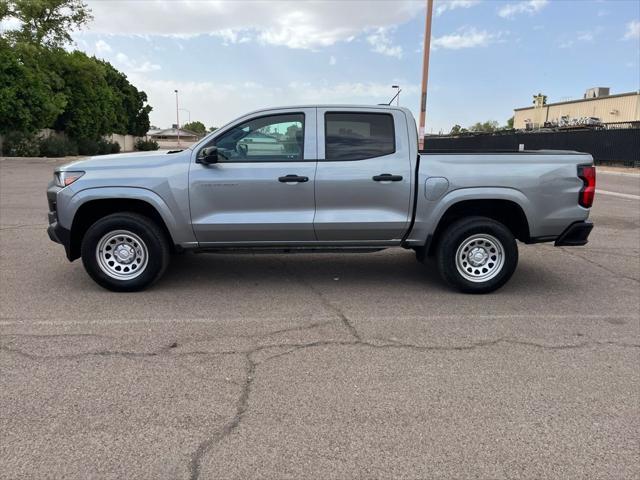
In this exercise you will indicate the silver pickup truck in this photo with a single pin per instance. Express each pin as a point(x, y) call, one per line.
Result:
point(318, 179)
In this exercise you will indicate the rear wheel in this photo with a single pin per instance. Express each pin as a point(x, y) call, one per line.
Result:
point(477, 255)
point(125, 252)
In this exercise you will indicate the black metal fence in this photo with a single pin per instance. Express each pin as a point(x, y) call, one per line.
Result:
point(615, 145)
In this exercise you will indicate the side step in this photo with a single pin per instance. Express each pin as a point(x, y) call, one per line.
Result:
point(289, 249)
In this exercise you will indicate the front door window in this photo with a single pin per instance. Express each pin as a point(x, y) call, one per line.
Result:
point(275, 138)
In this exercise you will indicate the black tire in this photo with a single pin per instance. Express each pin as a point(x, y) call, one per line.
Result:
point(461, 235)
point(154, 243)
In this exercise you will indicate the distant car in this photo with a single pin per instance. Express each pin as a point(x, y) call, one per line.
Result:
point(318, 178)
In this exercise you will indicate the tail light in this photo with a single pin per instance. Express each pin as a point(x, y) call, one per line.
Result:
point(587, 174)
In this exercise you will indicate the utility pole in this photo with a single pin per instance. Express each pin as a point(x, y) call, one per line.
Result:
point(425, 73)
point(177, 117)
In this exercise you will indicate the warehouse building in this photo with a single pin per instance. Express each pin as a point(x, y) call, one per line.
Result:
point(597, 106)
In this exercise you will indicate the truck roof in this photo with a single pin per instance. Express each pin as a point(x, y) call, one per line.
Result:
point(294, 107)
point(329, 105)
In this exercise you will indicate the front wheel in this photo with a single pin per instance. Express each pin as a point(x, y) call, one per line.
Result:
point(477, 255)
point(125, 252)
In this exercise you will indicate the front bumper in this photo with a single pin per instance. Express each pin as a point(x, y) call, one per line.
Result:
point(62, 236)
point(56, 232)
point(575, 235)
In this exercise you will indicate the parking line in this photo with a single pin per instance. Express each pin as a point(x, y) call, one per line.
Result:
point(619, 174)
point(620, 195)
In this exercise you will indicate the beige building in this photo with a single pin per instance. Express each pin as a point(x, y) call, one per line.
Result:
point(596, 106)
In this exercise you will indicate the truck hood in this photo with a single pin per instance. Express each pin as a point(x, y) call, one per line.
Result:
point(124, 160)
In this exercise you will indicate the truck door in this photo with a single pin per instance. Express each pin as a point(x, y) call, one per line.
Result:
point(261, 191)
point(363, 178)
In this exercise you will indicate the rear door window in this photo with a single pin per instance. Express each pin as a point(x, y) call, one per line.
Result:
point(357, 136)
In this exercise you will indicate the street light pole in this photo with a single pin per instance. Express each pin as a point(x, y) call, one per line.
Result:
point(177, 117)
point(425, 73)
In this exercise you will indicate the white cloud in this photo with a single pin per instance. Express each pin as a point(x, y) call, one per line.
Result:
point(510, 10)
point(229, 36)
point(332, 60)
point(102, 47)
point(633, 30)
point(218, 103)
point(466, 37)
point(136, 67)
point(307, 25)
point(585, 36)
point(444, 5)
point(381, 43)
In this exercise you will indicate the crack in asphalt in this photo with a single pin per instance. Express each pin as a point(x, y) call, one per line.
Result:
point(242, 405)
point(324, 300)
point(293, 347)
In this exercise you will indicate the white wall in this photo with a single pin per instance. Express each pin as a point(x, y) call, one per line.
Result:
point(126, 142)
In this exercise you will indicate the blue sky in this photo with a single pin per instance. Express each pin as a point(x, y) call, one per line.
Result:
point(488, 56)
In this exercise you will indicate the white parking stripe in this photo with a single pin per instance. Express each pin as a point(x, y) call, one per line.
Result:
point(619, 174)
point(620, 195)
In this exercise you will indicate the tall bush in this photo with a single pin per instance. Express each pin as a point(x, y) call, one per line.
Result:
point(144, 145)
point(57, 146)
point(17, 144)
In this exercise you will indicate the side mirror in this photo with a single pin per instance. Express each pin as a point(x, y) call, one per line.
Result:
point(208, 155)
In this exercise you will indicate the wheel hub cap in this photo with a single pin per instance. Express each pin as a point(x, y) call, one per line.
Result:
point(480, 258)
point(122, 255)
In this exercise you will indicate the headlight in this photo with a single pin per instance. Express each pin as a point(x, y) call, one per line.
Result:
point(64, 179)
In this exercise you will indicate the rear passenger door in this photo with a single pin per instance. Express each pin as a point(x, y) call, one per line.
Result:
point(363, 176)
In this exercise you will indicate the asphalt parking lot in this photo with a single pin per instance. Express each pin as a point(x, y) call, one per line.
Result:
point(319, 366)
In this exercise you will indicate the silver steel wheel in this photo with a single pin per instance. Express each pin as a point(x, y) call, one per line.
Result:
point(122, 255)
point(480, 258)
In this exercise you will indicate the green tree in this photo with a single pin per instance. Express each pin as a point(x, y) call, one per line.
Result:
point(45, 22)
point(92, 105)
point(213, 129)
point(29, 96)
point(509, 125)
point(457, 130)
point(44, 86)
point(131, 113)
point(485, 127)
point(195, 127)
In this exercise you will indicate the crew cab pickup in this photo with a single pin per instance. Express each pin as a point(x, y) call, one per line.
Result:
point(318, 178)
